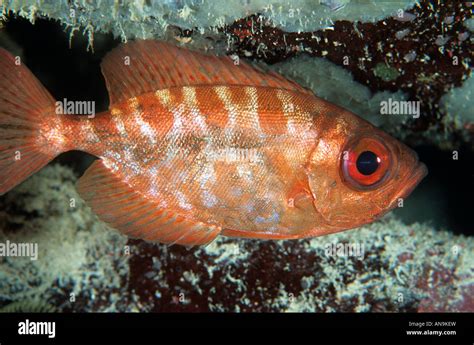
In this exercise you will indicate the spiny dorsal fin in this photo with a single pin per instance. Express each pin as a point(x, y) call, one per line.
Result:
point(121, 206)
point(139, 67)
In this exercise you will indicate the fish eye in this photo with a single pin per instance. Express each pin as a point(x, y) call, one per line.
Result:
point(366, 163)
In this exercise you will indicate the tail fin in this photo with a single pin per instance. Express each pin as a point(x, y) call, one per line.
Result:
point(23, 103)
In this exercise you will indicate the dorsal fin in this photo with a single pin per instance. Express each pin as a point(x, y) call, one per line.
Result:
point(139, 67)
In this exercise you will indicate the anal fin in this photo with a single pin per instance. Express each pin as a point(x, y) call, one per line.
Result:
point(118, 204)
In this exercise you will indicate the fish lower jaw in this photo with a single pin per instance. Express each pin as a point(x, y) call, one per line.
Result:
point(412, 181)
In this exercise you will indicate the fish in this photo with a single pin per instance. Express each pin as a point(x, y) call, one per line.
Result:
point(194, 146)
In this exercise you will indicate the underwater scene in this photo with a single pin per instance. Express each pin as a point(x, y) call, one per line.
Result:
point(236, 156)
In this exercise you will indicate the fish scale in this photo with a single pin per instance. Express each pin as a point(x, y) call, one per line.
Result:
point(220, 149)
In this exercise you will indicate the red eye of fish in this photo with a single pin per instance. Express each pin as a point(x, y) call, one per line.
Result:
point(366, 163)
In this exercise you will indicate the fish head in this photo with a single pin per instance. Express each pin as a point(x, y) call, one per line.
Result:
point(357, 172)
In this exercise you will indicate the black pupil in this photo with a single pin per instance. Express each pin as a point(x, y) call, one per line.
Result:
point(367, 163)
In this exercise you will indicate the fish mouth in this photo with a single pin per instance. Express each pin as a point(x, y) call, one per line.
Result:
point(415, 178)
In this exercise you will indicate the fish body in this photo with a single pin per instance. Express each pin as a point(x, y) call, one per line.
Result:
point(231, 154)
point(195, 147)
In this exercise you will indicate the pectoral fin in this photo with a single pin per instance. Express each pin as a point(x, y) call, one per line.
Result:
point(117, 203)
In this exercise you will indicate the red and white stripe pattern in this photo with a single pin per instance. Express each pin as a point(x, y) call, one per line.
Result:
point(195, 148)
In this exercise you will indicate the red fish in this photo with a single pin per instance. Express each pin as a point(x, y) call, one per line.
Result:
point(194, 146)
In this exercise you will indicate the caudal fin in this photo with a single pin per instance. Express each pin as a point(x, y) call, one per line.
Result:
point(25, 105)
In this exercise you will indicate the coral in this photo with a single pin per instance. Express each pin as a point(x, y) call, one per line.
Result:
point(470, 24)
point(28, 307)
point(397, 272)
point(150, 19)
point(386, 73)
point(77, 254)
point(459, 103)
